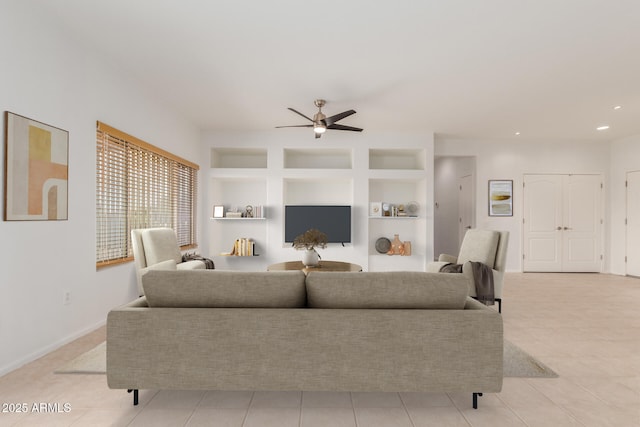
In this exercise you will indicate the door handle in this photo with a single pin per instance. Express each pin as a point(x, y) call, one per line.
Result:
point(468, 227)
point(567, 228)
point(558, 228)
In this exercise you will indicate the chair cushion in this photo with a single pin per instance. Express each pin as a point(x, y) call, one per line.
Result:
point(224, 289)
point(194, 264)
point(396, 290)
point(160, 244)
point(479, 246)
point(164, 265)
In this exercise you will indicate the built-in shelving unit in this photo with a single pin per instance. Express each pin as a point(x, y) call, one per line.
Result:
point(397, 179)
point(358, 175)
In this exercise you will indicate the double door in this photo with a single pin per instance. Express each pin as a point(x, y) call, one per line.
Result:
point(562, 223)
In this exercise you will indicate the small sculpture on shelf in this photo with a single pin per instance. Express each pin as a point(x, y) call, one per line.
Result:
point(309, 241)
point(399, 247)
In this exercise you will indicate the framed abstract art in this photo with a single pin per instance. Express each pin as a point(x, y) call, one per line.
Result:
point(500, 197)
point(36, 170)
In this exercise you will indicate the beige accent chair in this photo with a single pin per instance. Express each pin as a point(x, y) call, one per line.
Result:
point(486, 246)
point(157, 249)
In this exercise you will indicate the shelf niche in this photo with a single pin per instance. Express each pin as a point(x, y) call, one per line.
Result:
point(249, 158)
point(398, 159)
point(328, 158)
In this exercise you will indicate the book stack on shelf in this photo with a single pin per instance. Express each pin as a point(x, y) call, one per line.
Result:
point(243, 247)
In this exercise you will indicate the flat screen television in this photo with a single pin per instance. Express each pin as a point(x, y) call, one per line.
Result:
point(334, 221)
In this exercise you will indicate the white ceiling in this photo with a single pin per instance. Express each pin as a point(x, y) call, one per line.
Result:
point(550, 69)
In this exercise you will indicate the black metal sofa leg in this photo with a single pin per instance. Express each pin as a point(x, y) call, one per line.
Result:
point(135, 396)
point(475, 400)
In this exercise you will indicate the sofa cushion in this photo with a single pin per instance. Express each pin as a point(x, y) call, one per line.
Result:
point(401, 290)
point(224, 289)
point(160, 244)
point(480, 246)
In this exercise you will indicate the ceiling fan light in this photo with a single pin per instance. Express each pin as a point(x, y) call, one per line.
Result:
point(319, 128)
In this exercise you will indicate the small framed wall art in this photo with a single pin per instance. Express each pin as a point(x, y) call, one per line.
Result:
point(218, 211)
point(500, 197)
point(36, 170)
point(375, 209)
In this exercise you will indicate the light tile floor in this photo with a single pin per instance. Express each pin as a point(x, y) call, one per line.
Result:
point(584, 326)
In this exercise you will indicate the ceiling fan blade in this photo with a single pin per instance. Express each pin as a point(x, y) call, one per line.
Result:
point(295, 126)
point(331, 120)
point(342, 127)
point(298, 112)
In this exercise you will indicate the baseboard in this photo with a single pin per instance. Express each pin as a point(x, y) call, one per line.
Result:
point(49, 348)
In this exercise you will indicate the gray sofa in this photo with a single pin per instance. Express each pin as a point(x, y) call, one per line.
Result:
point(387, 331)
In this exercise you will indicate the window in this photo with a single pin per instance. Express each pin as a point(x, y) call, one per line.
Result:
point(140, 186)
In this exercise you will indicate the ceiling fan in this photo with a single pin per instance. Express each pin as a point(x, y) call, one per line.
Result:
point(320, 123)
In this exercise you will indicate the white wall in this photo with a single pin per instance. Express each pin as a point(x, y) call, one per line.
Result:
point(50, 78)
point(625, 157)
point(511, 159)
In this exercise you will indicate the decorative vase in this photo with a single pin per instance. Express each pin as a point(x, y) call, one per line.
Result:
point(311, 258)
point(397, 247)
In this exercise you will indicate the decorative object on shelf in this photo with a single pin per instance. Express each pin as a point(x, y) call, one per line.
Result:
point(218, 211)
point(309, 241)
point(258, 211)
point(500, 197)
point(232, 214)
point(248, 211)
point(412, 208)
point(242, 247)
point(397, 247)
point(391, 210)
point(383, 245)
point(320, 122)
point(37, 169)
point(375, 209)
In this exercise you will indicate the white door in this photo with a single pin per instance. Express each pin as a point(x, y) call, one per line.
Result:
point(633, 223)
point(542, 222)
point(465, 206)
point(562, 223)
point(581, 227)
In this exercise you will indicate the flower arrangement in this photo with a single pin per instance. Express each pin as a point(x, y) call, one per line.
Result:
point(310, 240)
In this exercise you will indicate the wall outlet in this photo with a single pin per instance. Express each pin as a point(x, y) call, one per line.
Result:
point(66, 297)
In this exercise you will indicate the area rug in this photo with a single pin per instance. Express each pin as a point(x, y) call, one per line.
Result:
point(517, 363)
point(93, 361)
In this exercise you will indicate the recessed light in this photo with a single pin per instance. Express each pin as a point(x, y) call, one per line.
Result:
point(517, 133)
point(605, 127)
point(617, 107)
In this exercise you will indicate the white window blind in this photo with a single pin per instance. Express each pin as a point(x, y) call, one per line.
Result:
point(140, 186)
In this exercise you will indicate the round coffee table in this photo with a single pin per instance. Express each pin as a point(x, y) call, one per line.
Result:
point(324, 266)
